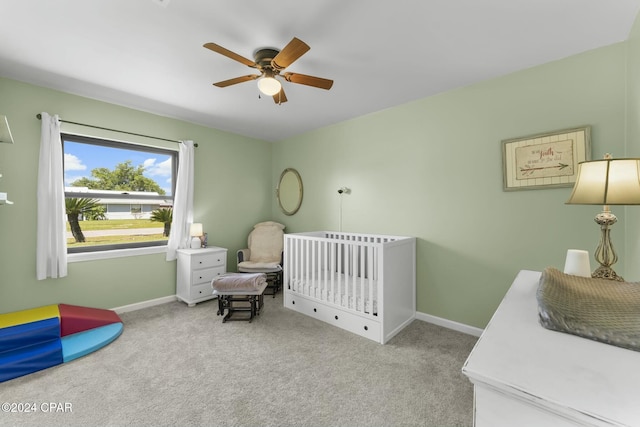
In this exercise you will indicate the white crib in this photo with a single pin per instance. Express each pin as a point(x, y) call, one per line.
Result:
point(363, 283)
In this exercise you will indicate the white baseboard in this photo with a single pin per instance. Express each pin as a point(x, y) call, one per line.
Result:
point(144, 304)
point(450, 324)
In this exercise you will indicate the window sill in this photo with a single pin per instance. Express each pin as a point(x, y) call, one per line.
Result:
point(117, 253)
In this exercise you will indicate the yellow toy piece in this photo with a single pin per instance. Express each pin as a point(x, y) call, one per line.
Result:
point(30, 315)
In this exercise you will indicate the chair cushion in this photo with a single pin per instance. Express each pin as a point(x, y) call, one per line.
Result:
point(250, 265)
point(266, 242)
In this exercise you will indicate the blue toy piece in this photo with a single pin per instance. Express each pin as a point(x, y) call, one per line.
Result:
point(29, 347)
point(36, 339)
point(83, 343)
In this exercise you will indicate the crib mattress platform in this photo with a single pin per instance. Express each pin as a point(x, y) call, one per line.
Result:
point(250, 302)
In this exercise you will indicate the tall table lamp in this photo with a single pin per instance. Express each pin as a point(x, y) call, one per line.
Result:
point(606, 182)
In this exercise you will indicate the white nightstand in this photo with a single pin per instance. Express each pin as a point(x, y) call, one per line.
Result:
point(196, 268)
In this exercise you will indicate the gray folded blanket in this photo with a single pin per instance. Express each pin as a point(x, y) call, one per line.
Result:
point(239, 282)
point(598, 309)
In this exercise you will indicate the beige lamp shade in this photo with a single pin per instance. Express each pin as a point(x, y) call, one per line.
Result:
point(607, 182)
point(196, 230)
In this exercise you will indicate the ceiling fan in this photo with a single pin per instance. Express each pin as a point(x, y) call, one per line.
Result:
point(271, 63)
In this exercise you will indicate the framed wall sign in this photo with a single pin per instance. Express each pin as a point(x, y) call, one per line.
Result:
point(545, 160)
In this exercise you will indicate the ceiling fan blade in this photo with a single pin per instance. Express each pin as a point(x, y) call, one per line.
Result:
point(237, 80)
point(303, 79)
point(226, 52)
point(292, 51)
point(280, 97)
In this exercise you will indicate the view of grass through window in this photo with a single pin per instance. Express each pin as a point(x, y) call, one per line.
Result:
point(115, 231)
point(117, 195)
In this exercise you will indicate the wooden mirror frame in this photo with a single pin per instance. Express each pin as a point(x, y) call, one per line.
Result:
point(296, 201)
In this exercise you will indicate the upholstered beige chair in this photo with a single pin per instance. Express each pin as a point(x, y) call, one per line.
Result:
point(264, 253)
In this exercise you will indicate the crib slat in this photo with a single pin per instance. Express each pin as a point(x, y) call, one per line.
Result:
point(314, 267)
point(319, 270)
point(290, 265)
point(285, 272)
point(339, 271)
point(299, 262)
point(347, 275)
point(363, 275)
point(324, 269)
point(306, 266)
point(353, 262)
point(295, 263)
point(371, 254)
point(332, 260)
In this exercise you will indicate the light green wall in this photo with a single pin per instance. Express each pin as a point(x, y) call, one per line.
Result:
point(632, 226)
point(224, 163)
point(430, 169)
point(433, 169)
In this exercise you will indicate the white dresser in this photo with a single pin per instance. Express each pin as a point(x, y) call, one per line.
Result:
point(526, 375)
point(196, 268)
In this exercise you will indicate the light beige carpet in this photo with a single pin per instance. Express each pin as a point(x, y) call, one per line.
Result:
point(180, 366)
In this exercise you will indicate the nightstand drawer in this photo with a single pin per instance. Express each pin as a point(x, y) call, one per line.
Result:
point(209, 260)
point(201, 291)
point(206, 275)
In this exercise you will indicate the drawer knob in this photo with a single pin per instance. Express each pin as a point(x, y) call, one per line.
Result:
point(336, 317)
point(366, 328)
point(314, 310)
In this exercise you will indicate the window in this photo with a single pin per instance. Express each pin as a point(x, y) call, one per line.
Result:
point(118, 195)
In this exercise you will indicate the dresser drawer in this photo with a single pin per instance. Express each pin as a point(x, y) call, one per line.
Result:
point(209, 260)
point(206, 275)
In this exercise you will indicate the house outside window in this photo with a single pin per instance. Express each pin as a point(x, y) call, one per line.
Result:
point(116, 189)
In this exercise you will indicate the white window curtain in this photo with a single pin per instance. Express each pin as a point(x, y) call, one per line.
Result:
point(182, 202)
point(51, 249)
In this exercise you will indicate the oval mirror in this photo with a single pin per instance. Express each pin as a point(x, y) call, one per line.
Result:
point(289, 191)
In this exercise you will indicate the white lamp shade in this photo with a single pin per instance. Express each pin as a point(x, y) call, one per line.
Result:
point(607, 182)
point(196, 230)
point(269, 86)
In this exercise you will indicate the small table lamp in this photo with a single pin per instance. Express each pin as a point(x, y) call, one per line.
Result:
point(196, 233)
point(607, 182)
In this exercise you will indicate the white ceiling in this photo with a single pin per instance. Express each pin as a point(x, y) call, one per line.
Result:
point(148, 54)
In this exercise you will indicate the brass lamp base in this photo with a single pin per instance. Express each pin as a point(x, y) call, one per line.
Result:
point(603, 272)
point(605, 254)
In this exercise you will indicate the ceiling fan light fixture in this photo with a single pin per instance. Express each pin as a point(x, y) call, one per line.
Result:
point(270, 62)
point(269, 86)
